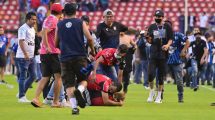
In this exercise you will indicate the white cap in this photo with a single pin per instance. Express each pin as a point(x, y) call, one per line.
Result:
point(108, 12)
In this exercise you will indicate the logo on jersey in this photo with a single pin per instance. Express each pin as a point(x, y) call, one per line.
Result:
point(114, 27)
point(68, 25)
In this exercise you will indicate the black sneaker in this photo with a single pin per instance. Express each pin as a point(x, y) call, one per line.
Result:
point(195, 89)
point(75, 111)
point(79, 98)
point(180, 101)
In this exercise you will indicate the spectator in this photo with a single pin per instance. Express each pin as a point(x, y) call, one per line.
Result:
point(191, 22)
point(212, 22)
point(4, 44)
point(181, 20)
point(69, 37)
point(203, 22)
point(25, 55)
point(104, 4)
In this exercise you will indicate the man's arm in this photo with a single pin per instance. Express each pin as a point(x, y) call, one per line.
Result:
point(204, 56)
point(21, 44)
point(97, 62)
point(56, 38)
point(109, 102)
point(120, 75)
point(45, 31)
point(89, 38)
point(186, 46)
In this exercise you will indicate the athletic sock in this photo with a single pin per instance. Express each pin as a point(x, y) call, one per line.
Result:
point(81, 88)
point(73, 102)
point(159, 94)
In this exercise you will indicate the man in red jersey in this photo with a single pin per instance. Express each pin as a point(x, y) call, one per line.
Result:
point(106, 60)
point(102, 90)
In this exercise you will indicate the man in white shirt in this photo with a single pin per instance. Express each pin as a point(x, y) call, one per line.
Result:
point(203, 23)
point(25, 55)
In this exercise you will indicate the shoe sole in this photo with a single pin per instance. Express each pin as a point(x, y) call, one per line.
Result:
point(79, 98)
point(35, 105)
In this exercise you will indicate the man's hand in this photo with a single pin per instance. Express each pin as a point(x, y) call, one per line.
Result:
point(48, 50)
point(120, 103)
point(202, 61)
point(26, 56)
point(183, 54)
point(165, 47)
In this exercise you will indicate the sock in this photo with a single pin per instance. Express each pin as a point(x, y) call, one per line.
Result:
point(73, 102)
point(81, 88)
point(159, 94)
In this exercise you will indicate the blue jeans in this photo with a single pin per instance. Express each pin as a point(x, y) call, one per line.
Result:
point(38, 71)
point(26, 68)
point(51, 92)
point(139, 68)
point(202, 73)
point(109, 71)
point(194, 73)
point(177, 72)
point(210, 72)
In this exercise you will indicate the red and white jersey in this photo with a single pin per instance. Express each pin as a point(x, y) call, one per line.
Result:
point(102, 83)
point(108, 55)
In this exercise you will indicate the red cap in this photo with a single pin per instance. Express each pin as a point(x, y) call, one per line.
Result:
point(56, 7)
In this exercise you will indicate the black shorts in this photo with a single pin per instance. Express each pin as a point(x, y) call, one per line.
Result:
point(158, 66)
point(3, 60)
point(50, 64)
point(71, 71)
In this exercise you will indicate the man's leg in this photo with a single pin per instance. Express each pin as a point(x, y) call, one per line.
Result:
point(145, 73)
point(177, 69)
point(151, 76)
point(57, 88)
point(194, 74)
point(138, 72)
point(31, 74)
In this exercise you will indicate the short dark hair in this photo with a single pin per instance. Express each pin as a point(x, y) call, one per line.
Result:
point(123, 48)
point(1, 26)
point(118, 86)
point(29, 15)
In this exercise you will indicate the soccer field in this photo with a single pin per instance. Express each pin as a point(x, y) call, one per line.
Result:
point(196, 106)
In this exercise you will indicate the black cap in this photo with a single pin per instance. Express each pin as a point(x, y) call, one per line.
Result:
point(85, 18)
point(70, 8)
point(159, 13)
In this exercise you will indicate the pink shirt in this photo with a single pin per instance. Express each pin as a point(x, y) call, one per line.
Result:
point(50, 23)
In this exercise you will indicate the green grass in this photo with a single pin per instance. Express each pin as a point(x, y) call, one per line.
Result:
point(196, 106)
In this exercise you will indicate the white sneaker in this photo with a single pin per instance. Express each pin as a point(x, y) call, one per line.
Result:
point(17, 95)
point(65, 103)
point(151, 96)
point(158, 100)
point(146, 87)
point(48, 101)
point(23, 100)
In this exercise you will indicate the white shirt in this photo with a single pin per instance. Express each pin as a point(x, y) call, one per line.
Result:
point(203, 21)
point(191, 21)
point(28, 35)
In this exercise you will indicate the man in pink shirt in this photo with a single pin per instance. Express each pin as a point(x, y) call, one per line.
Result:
point(49, 56)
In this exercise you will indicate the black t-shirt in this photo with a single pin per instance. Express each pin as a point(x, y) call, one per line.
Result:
point(160, 36)
point(198, 49)
point(109, 36)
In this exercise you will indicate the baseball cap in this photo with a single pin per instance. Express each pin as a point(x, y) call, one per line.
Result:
point(108, 12)
point(56, 7)
point(85, 18)
point(70, 8)
point(159, 13)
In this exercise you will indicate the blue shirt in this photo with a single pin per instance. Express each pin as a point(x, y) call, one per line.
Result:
point(211, 47)
point(71, 39)
point(14, 47)
point(176, 47)
point(3, 44)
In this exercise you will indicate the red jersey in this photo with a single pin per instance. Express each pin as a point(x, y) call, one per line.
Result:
point(102, 83)
point(108, 55)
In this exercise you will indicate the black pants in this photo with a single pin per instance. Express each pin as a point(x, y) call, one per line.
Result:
point(159, 65)
point(127, 71)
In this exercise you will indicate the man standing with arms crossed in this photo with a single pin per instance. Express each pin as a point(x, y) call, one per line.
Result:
point(70, 38)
